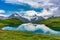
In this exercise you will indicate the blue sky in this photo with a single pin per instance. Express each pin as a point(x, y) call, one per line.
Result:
point(11, 8)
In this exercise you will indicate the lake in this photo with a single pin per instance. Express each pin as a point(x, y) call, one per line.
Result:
point(33, 28)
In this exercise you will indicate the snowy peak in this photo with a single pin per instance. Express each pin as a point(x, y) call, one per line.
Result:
point(14, 15)
point(29, 17)
point(26, 18)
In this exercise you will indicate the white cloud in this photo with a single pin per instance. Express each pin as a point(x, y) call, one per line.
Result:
point(3, 15)
point(50, 5)
point(36, 3)
point(30, 13)
point(2, 11)
point(45, 13)
point(56, 2)
point(33, 3)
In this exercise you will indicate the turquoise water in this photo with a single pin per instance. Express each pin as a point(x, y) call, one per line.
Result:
point(34, 28)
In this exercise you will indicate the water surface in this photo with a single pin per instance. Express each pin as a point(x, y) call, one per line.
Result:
point(34, 28)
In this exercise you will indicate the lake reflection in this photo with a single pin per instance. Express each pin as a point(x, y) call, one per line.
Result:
point(35, 28)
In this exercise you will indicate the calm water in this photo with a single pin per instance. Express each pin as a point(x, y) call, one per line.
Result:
point(35, 28)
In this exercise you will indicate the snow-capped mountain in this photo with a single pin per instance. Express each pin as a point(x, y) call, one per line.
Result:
point(18, 16)
point(26, 18)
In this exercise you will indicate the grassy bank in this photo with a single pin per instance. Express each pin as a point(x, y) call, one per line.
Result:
point(53, 23)
point(10, 22)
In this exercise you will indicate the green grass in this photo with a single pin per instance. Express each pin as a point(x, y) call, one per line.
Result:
point(10, 22)
point(16, 35)
point(53, 23)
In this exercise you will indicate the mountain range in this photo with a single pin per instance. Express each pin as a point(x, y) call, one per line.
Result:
point(33, 18)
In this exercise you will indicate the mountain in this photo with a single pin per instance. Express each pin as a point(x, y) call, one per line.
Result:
point(26, 18)
point(18, 16)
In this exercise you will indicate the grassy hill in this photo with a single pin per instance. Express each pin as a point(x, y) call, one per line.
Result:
point(53, 23)
point(10, 22)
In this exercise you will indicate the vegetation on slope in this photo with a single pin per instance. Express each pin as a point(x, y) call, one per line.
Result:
point(53, 23)
point(10, 22)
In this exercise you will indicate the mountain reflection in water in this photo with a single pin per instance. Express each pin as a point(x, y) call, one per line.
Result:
point(35, 28)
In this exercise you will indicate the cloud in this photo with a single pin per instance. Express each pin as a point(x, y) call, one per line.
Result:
point(30, 13)
point(36, 3)
point(32, 3)
point(52, 6)
point(43, 13)
point(46, 13)
point(56, 2)
point(2, 11)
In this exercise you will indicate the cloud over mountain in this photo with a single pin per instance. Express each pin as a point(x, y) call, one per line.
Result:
point(51, 6)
